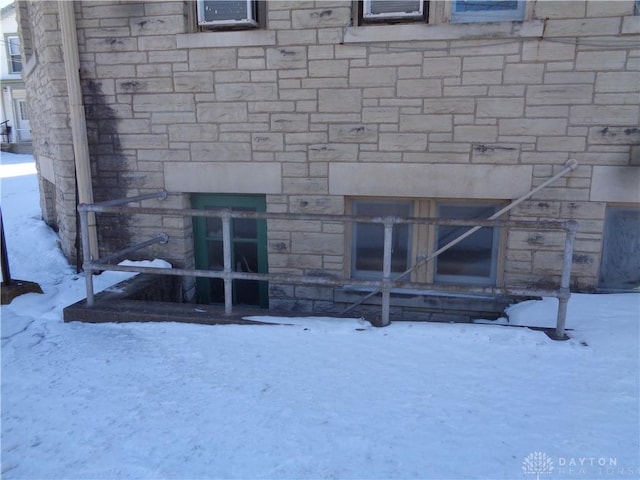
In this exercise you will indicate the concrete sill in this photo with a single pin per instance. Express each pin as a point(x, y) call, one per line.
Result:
point(454, 31)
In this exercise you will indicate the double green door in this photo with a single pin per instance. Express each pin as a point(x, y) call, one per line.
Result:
point(248, 249)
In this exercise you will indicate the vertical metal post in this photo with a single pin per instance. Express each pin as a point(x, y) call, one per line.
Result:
point(386, 273)
point(565, 280)
point(226, 250)
point(86, 253)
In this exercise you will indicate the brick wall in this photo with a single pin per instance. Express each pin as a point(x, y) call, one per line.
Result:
point(310, 92)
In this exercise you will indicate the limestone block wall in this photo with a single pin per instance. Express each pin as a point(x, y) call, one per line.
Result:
point(311, 110)
point(43, 72)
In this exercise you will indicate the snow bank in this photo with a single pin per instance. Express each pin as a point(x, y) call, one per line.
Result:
point(315, 398)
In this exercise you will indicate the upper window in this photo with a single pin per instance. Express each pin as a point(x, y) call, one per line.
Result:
point(392, 11)
point(13, 54)
point(227, 13)
point(463, 11)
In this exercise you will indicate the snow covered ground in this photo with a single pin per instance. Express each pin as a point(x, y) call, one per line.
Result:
point(322, 398)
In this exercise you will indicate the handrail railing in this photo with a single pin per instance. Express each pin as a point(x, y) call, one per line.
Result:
point(92, 264)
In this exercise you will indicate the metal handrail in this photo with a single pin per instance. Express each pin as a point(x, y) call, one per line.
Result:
point(384, 285)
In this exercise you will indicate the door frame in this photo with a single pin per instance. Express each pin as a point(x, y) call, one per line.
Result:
point(203, 201)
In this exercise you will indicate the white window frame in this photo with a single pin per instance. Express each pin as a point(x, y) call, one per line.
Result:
point(369, 15)
point(517, 14)
point(249, 21)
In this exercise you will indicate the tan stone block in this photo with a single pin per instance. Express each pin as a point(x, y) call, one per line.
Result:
point(334, 100)
point(286, 58)
point(615, 135)
point(372, 77)
point(395, 58)
point(246, 92)
point(449, 105)
point(618, 82)
point(399, 142)
point(212, 59)
point(193, 133)
point(380, 114)
point(320, 18)
point(325, 204)
point(441, 67)
point(503, 107)
point(222, 112)
point(353, 133)
point(559, 94)
point(571, 9)
point(495, 153)
point(543, 51)
point(310, 186)
point(475, 133)
point(527, 73)
point(318, 243)
point(333, 152)
point(425, 123)
point(168, 102)
point(483, 63)
point(569, 77)
point(609, 8)
point(601, 60)
point(328, 68)
point(419, 88)
point(290, 122)
point(604, 115)
point(267, 141)
point(488, 77)
point(561, 144)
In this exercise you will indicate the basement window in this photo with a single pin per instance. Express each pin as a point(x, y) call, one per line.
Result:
point(368, 238)
point(473, 261)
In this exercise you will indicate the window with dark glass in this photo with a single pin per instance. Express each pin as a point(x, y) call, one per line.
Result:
point(473, 260)
point(368, 238)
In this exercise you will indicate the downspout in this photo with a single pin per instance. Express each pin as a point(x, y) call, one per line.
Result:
point(78, 121)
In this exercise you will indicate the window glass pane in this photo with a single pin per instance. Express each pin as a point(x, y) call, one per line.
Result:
point(225, 10)
point(368, 239)
point(385, 6)
point(14, 45)
point(484, 6)
point(215, 255)
point(214, 227)
point(487, 11)
point(473, 259)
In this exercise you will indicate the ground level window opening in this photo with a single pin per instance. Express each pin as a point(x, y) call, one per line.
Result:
point(248, 249)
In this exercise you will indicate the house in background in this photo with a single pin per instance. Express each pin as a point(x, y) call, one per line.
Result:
point(14, 116)
point(416, 108)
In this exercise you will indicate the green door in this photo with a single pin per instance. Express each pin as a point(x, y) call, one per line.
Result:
point(248, 249)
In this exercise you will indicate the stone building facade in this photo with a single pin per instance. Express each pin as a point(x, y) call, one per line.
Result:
point(328, 107)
